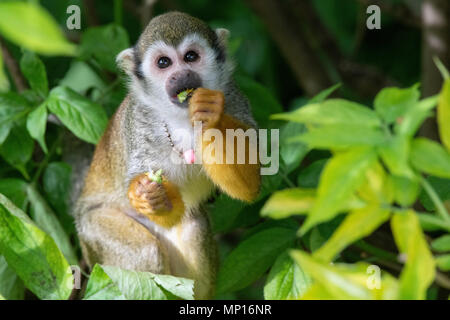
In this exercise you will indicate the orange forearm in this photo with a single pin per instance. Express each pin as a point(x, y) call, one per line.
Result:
point(240, 181)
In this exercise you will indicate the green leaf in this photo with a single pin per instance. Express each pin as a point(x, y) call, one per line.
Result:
point(259, 96)
point(15, 190)
point(286, 280)
point(309, 177)
point(101, 287)
point(430, 222)
point(56, 182)
point(33, 255)
point(11, 287)
point(342, 175)
point(441, 187)
point(224, 212)
point(292, 153)
point(443, 262)
point(333, 111)
point(405, 190)
point(392, 103)
point(104, 44)
point(340, 136)
point(418, 272)
point(358, 224)
point(395, 155)
point(252, 258)
point(17, 149)
point(12, 108)
point(29, 25)
point(46, 219)
point(430, 157)
point(34, 70)
point(37, 124)
point(285, 203)
point(81, 77)
point(443, 115)
point(415, 115)
point(321, 96)
point(108, 282)
point(441, 244)
point(86, 119)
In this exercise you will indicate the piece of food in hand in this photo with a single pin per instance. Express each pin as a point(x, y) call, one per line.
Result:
point(183, 95)
point(155, 176)
point(146, 198)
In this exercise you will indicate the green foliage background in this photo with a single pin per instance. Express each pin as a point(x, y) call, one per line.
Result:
point(356, 187)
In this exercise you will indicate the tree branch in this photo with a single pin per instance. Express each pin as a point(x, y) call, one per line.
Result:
point(282, 26)
point(13, 68)
point(91, 13)
point(300, 34)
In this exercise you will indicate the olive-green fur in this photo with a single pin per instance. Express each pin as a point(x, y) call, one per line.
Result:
point(171, 28)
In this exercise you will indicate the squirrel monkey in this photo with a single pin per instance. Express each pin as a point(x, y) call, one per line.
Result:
point(124, 218)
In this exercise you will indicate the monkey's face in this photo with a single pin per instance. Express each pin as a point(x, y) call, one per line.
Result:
point(162, 69)
point(171, 70)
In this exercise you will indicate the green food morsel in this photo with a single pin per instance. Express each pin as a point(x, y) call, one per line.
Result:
point(182, 96)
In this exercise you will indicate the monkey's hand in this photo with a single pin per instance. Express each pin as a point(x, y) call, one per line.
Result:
point(206, 106)
point(148, 197)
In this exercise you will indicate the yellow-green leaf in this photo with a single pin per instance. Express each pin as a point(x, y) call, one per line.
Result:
point(342, 175)
point(340, 136)
point(356, 225)
point(392, 103)
point(30, 26)
point(415, 116)
point(430, 157)
point(405, 190)
point(345, 282)
point(333, 111)
point(288, 202)
point(395, 155)
point(419, 270)
point(377, 187)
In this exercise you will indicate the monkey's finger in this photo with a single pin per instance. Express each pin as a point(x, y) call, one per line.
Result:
point(203, 92)
point(201, 116)
point(155, 198)
point(157, 203)
point(203, 107)
point(154, 187)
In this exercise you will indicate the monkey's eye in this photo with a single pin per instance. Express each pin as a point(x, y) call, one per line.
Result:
point(191, 56)
point(164, 62)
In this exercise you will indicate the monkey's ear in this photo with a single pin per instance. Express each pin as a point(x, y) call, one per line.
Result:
point(222, 36)
point(125, 60)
